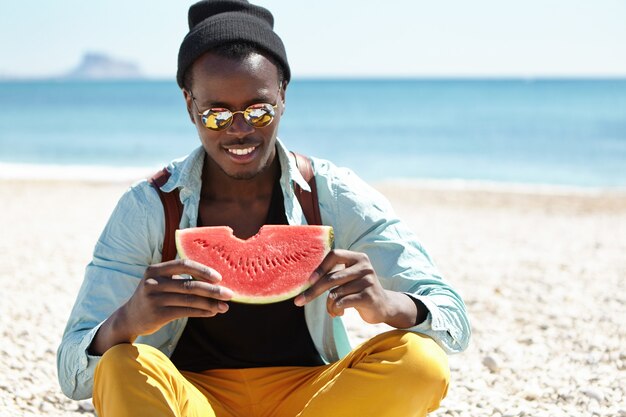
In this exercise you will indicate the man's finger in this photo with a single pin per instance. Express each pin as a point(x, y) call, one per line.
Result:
point(328, 281)
point(332, 260)
point(199, 288)
point(315, 290)
point(192, 301)
point(334, 301)
point(337, 306)
point(174, 313)
point(183, 266)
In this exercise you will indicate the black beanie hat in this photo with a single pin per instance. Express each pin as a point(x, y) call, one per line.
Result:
point(217, 22)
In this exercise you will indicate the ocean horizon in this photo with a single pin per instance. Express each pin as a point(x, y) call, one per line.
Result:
point(562, 132)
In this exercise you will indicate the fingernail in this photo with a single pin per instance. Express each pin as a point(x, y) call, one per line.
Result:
point(223, 307)
point(314, 277)
point(227, 292)
point(299, 300)
point(214, 274)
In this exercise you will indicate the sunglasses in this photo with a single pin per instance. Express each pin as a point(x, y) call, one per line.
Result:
point(220, 118)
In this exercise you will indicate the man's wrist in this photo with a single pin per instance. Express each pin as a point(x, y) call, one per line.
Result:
point(404, 311)
point(114, 331)
point(120, 326)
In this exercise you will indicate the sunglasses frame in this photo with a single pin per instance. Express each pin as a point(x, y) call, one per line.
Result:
point(233, 113)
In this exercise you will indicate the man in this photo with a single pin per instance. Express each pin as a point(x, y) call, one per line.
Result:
point(145, 342)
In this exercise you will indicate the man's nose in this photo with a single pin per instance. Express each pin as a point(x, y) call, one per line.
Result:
point(239, 127)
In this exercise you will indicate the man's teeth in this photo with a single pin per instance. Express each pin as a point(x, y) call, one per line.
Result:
point(245, 151)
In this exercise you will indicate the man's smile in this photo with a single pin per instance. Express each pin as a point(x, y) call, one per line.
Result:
point(243, 151)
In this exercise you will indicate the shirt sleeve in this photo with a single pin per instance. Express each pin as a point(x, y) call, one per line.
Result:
point(364, 221)
point(125, 248)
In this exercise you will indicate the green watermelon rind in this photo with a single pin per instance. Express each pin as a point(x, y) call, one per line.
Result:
point(269, 300)
point(246, 299)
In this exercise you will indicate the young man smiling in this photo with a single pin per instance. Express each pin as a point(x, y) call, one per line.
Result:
point(144, 342)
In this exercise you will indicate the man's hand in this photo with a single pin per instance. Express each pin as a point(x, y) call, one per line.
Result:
point(357, 285)
point(162, 296)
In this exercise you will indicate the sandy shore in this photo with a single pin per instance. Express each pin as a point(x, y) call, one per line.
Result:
point(543, 274)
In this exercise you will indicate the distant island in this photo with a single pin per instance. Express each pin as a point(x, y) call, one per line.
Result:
point(97, 66)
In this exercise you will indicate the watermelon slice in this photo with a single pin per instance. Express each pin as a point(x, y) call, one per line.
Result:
point(271, 266)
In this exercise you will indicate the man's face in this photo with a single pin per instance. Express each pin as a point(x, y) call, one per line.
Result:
point(240, 151)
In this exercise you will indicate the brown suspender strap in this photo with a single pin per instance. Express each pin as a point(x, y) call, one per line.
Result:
point(308, 201)
point(173, 209)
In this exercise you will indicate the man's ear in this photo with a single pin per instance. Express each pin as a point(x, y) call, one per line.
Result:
point(282, 96)
point(189, 103)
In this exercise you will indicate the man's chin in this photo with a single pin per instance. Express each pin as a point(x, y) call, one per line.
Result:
point(243, 172)
point(247, 175)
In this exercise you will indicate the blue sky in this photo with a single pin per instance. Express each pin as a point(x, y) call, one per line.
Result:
point(329, 38)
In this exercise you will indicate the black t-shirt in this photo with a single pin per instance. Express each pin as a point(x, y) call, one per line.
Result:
point(249, 335)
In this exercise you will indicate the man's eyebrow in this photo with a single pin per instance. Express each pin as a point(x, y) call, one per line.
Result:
point(213, 104)
point(261, 98)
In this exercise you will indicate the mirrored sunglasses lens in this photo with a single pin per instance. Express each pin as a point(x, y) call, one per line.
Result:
point(259, 115)
point(217, 119)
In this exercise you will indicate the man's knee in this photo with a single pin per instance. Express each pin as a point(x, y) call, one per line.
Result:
point(428, 359)
point(137, 379)
point(415, 365)
point(419, 356)
point(124, 357)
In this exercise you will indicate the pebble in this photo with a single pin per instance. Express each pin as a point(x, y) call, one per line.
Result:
point(86, 405)
point(593, 393)
point(491, 363)
point(24, 394)
point(531, 394)
point(46, 408)
point(71, 406)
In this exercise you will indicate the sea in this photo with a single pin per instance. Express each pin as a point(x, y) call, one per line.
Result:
point(563, 132)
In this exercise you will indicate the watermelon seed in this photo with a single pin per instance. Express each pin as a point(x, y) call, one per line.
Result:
point(201, 242)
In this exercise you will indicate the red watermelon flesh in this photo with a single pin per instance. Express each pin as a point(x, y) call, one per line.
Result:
point(271, 266)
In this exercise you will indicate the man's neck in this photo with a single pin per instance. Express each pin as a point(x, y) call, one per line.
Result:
point(218, 186)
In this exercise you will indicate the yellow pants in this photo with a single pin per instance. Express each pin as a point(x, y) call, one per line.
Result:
point(396, 373)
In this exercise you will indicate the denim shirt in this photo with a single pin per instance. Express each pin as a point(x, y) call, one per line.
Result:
point(363, 221)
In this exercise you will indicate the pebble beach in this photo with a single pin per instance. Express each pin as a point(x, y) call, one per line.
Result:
point(542, 271)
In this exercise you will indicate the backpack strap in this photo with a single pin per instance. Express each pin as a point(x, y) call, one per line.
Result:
point(173, 210)
point(308, 201)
